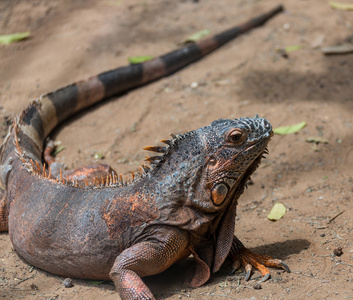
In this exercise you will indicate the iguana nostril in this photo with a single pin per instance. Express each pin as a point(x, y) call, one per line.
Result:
point(267, 125)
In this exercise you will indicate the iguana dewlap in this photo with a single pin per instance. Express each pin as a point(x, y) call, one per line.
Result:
point(84, 225)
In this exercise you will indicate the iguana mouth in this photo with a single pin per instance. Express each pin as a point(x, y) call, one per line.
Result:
point(257, 161)
point(252, 168)
point(223, 188)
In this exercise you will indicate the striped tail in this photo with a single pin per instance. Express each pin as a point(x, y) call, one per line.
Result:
point(49, 110)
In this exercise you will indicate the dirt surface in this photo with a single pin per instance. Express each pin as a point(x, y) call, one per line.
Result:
point(71, 40)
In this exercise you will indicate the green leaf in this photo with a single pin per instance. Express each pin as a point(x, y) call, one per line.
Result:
point(57, 151)
point(292, 48)
point(289, 129)
point(10, 38)
point(196, 36)
point(139, 59)
point(341, 6)
point(277, 212)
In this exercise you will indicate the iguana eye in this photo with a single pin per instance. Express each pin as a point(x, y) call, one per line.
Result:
point(236, 136)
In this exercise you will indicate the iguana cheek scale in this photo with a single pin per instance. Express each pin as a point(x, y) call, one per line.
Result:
point(92, 223)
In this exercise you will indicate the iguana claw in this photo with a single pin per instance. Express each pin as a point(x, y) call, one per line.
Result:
point(284, 266)
point(243, 257)
point(266, 277)
point(248, 269)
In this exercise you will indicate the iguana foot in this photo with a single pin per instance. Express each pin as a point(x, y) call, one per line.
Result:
point(243, 257)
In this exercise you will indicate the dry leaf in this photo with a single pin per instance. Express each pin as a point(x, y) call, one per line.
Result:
point(340, 49)
point(277, 212)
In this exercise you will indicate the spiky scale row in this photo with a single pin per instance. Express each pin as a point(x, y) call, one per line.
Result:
point(157, 149)
point(34, 167)
point(153, 159)
point(168, 142)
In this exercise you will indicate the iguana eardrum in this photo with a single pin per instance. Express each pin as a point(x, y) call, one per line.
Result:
point(91, 223)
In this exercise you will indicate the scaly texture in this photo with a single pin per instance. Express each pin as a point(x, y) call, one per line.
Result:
point(92, 223)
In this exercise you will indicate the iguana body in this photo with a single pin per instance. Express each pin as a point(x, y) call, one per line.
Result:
point(102, 227)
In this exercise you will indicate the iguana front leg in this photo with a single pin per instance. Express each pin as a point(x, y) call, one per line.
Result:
point(147, 258)
point(243, 257)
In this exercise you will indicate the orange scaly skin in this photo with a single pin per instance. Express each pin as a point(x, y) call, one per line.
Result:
point(90, 223)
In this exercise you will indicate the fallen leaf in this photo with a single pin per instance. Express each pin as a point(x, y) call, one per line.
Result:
point(277, 212)
point(196, 36)
point(57, 151)
point(292, 48)
point(139, 59)
point(341, 6)
point(284, 51)
point(289, 129)
point(15, 37)
point(340, 49)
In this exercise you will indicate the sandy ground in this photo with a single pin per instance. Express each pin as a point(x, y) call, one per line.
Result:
point(71, 40)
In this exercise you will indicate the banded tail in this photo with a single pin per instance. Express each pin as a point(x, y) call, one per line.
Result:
point(35, 123)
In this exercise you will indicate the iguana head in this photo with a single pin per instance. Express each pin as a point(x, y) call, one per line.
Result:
point(234, 149)
point(206, 168)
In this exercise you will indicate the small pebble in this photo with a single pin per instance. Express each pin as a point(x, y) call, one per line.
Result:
point(68, 283)
point(338, 251)
point(257, 286)
point(194, 85)
point(322, 235)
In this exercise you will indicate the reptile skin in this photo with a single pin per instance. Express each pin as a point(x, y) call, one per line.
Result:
point(91, 223)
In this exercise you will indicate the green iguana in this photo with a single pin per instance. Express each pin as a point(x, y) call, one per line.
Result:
point(91, 223)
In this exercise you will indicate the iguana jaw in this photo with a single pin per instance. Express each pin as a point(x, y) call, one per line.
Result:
point(251, 169)
point(234, 184)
